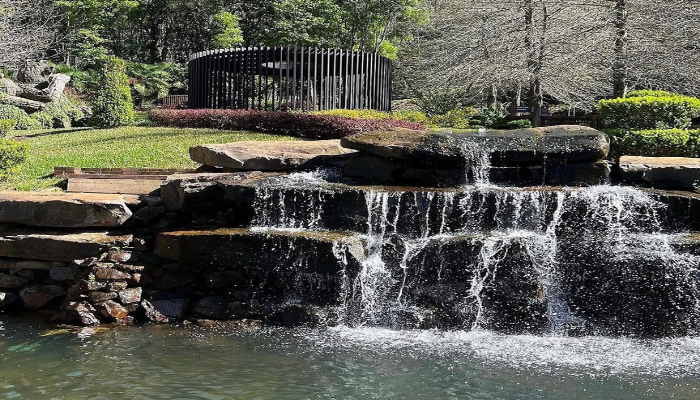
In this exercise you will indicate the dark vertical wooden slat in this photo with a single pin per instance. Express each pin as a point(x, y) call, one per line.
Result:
point(329, 95)
point(334, 79)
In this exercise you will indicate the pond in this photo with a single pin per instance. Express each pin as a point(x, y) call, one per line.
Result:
point(166, 362)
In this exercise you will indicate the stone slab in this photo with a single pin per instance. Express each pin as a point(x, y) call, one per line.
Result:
point(278, 155)
point(63, 210)
point(672, 172)
point(117, 186)
point(568, 142)
point(59, 246)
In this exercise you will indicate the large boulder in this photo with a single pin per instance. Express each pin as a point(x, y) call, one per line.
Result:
point(673, 172)
point(63, 210)
point(277, 155)
point(570, 143)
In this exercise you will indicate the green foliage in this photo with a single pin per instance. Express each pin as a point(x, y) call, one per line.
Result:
point(155, 81)
point(491, 117)
point(649, 93)
point(89, 48)
point(406, 116)
point(228, 32)
point(113, 106)
point(21, 118)
point(651, 111)
point(456, 119)
point(410, 116)
point(12, 154)
point(43, 118)
point(654, 142)
point(6, 125)
point(519, 124)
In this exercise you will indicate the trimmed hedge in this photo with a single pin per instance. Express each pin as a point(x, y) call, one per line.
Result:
point(649, 110)
point(6, 125)
point(282, 123)
point(405, 115)
point(519, 124)
point(113, 106)
point(12, 154)
point(654, 143)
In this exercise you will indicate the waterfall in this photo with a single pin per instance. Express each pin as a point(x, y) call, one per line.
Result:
point(486, 257)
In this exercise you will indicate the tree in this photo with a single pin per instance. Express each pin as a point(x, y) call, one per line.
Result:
point(24, 32)
point(113, 106)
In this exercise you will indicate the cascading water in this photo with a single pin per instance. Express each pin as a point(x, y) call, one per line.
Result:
point(534, 260)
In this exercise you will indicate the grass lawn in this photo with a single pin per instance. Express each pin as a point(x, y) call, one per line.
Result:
point(129, 147)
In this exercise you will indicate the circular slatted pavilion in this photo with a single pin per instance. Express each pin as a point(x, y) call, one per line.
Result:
point(283, 78)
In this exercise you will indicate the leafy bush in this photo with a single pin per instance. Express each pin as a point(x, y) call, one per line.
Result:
point(654, 142)
point(407, 116)
point(519, 124)
point(12, 154)
point(283, 123)
point(65, 112)
point(113, 106)
point(6, 125)
point(649, 93)
point(21, 118)
point(457, 118)
point(43, 118)
point(654, 110)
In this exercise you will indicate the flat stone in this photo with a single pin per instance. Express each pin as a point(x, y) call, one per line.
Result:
point(110, 274)
point(58, 246)
point(97, 297)
point(38, 296)
point(369, 167)
point(12, 282)
point(62, 273)
point(276, 155)
point(116, 286)
point(112, 309)
point(211, 307)
point(63, 210)
point(84, 312)
point(182, 190)
point(131, 295)
point(243, 325)
point(572, 143)
point(671, 172)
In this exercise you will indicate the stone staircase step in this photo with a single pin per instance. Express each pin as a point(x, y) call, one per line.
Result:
point(59, 246)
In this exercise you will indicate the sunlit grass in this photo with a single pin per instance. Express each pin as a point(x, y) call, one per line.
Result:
point(129, 147)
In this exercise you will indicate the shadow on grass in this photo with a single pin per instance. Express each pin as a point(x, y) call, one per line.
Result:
point(54, 132)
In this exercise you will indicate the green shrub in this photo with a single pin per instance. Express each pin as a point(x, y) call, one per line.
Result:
point(654, 111)
point(457, 118)
point(410, 116)
point(21, 118)
point(113, 106)
point(6, 125)
point(519, 124)
point(43, 118)
point(654, 142)
point(441, 102)
point(12, 154)
point(649, 93)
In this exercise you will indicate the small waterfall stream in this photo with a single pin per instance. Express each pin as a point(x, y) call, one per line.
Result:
point(537, 260)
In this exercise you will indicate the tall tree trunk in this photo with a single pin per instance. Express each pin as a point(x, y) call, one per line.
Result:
point(621, 42)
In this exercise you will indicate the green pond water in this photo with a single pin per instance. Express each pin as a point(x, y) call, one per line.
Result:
point(163, 362)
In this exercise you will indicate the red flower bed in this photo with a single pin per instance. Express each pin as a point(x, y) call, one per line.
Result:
point(281, 123)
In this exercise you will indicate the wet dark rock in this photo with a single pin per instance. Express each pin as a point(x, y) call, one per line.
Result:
point(33, 265)
point(131, 295)
point(12, 282)
point(172, 279)
point(296, 315)
point(172, 305)
point(63, 210)
point(228, 280)
point(62, 273)
point(10, 302)
point(371, 168)
point(150, 313)
point(211, 307)
point(149, 214)
point(38, 296)
point(572, 143)
point(273, 155)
